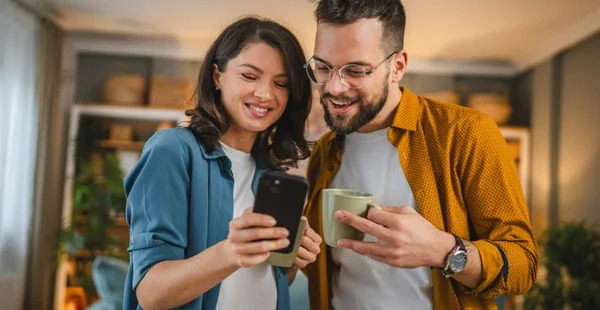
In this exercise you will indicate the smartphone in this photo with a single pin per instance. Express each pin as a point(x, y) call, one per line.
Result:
point(282, 196)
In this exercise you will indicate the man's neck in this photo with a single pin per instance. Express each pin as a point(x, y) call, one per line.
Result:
point(385, 117)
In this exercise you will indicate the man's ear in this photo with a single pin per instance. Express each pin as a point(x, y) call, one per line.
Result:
point(216, 77)
point(399, 63)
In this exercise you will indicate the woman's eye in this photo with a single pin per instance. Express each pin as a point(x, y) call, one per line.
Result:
point(282, 84)
point(249, 77)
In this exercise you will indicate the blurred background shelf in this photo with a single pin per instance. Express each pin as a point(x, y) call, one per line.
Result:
point(124, 145)
point(141, 112)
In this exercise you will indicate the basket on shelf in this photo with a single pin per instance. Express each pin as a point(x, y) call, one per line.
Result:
point(125, 89)
point(121, 137)
point(496, 104)
point(171, 92)
point(444, 96)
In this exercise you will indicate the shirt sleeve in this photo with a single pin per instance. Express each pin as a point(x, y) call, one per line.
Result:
point(157, 204)
point(497, 211)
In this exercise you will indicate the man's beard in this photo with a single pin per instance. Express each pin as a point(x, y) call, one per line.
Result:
point(367, 111)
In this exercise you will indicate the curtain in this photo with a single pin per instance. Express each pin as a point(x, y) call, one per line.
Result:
point(49, 171)
point(18, 135)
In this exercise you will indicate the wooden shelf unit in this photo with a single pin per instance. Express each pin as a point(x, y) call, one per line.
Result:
point(87, 103)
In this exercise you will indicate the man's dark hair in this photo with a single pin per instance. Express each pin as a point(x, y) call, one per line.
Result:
point(389, 12)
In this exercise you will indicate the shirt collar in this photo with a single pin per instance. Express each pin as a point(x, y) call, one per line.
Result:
point(405, 117)
point(407, 113)
point(218, 152)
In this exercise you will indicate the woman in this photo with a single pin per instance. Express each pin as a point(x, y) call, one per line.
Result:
point(193, 245)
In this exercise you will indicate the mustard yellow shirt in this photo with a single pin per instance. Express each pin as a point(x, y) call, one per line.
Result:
point(464, 181)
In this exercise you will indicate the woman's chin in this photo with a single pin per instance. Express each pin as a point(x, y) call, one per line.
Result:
point(251, 125)
point(256, 127)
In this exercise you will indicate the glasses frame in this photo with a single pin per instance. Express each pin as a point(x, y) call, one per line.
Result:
point(368, 73)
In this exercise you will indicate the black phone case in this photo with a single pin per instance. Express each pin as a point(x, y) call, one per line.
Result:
point(282, 196)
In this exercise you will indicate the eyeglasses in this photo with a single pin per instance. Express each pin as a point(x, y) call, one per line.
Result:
point(352, 75)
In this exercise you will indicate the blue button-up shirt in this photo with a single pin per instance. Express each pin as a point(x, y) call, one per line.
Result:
point(179, 203)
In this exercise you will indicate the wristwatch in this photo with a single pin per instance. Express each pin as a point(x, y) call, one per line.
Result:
point(456, 260)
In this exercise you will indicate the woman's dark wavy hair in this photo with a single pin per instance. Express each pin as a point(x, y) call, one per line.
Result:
point(283, 143)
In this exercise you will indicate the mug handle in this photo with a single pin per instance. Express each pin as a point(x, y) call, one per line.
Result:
point(372, 205)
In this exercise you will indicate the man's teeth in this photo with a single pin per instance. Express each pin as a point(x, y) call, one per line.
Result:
point(258, 109)
point(341, 104)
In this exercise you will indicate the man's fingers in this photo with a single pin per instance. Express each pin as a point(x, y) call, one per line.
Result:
point(381, 259)
point(251, 234)
point(366, 248)
point(387, 218)
point(365, 225)
point(252, 219)
point(400, 210)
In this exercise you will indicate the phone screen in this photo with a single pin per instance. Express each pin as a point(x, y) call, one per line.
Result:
point(282, 196)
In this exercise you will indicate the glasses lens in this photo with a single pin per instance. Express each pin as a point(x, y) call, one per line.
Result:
point(354, 75)
point(318, 72)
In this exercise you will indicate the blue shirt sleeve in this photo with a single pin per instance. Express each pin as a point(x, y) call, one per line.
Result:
point(157, 204)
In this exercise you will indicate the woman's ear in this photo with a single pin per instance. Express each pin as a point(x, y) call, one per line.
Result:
point(216, 77)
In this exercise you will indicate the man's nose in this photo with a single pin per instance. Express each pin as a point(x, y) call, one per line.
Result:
point(336, 85)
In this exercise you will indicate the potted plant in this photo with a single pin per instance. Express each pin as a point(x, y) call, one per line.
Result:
point(97, 227)
point(569, 270)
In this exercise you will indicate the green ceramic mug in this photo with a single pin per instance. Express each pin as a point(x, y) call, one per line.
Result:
point(351, 201)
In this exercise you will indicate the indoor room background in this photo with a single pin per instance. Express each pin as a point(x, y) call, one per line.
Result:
point(83, 84)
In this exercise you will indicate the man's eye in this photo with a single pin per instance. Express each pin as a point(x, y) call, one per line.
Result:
point(355, 72)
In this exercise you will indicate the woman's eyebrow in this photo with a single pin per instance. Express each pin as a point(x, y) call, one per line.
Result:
point(259, 70)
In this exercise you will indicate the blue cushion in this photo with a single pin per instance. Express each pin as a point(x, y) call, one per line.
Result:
point(109, 278)
point(299, 292)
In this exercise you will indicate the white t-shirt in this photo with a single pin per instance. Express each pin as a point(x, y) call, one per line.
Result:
point(370, 163)
point(248, 288)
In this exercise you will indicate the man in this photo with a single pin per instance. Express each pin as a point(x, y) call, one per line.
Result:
point(443, 171)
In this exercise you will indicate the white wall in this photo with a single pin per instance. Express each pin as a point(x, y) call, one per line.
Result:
point(579, 137)
point(566, 137)
point(541, 124)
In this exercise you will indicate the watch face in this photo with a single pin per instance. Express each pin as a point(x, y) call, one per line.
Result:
point(459, 262)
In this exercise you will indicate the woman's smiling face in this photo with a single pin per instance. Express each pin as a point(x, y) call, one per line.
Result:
point(254, 88)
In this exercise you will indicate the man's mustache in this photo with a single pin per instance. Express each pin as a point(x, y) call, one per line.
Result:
point(326, 96)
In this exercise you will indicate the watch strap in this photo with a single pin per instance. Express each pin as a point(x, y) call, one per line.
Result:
point(460, 246)
point(459, 243)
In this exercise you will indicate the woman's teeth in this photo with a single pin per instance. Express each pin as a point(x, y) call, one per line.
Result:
point(258, 109)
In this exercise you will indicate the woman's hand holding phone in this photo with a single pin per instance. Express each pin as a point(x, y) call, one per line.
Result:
point(309, 248)
point(252, 236)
